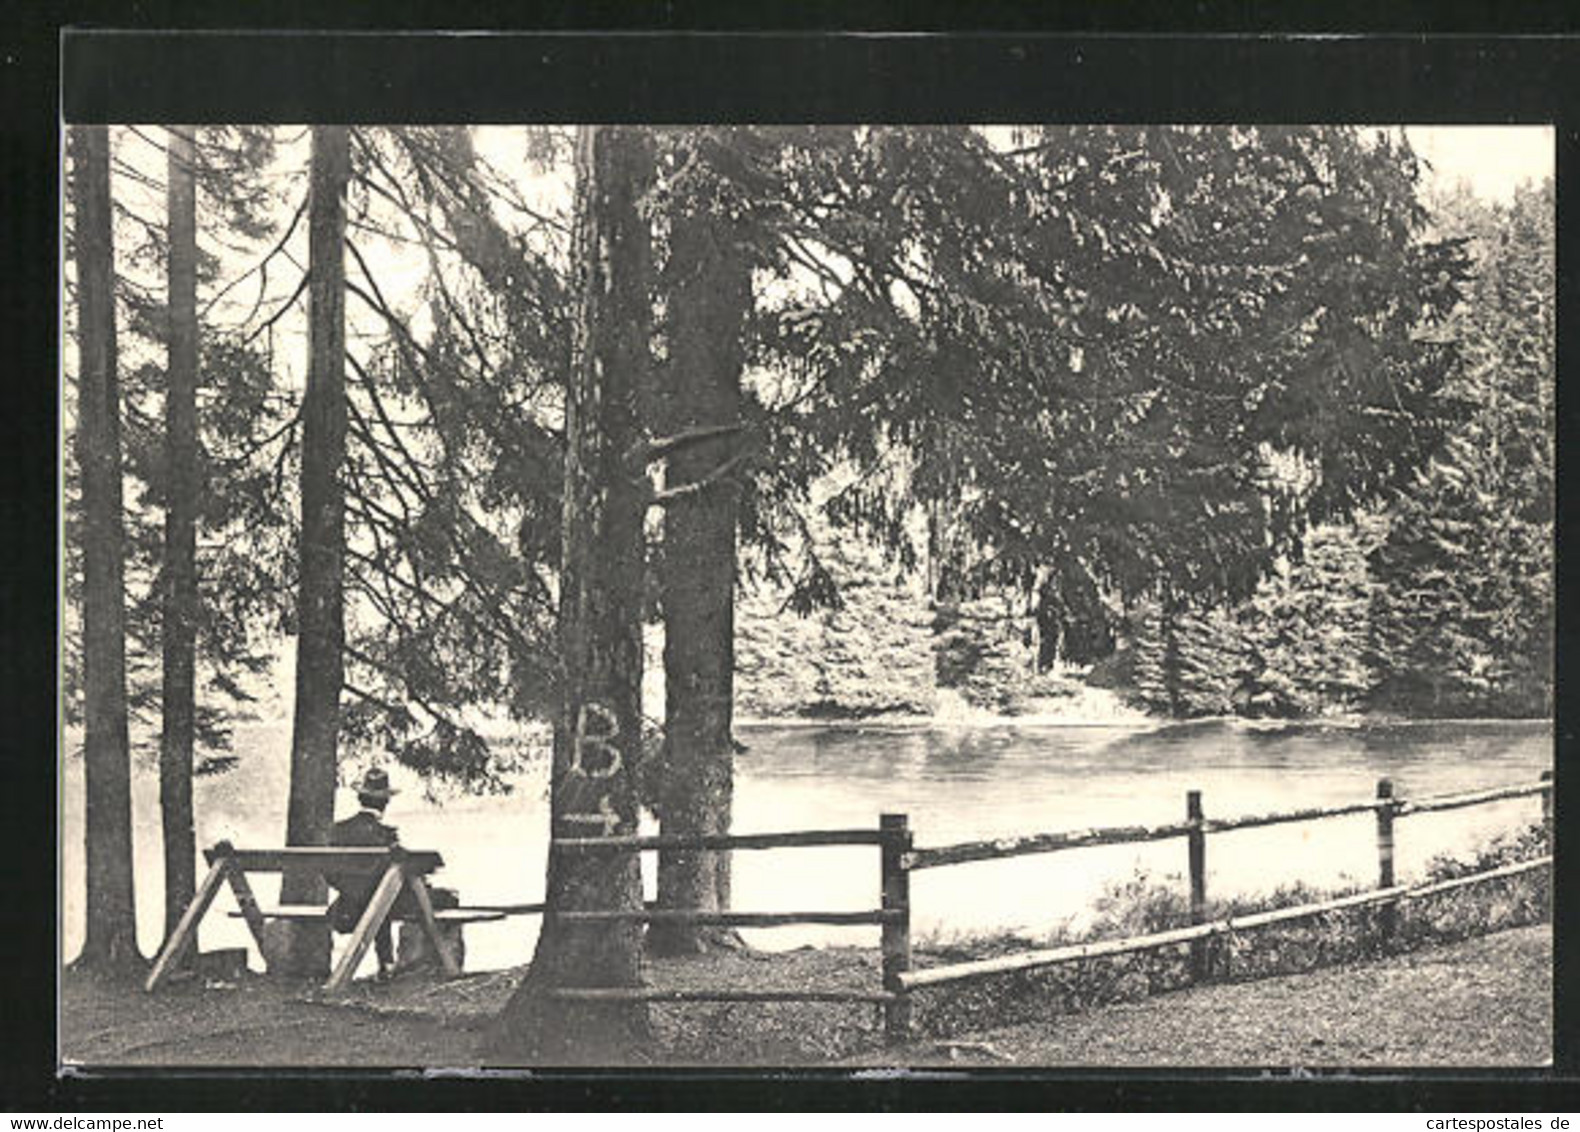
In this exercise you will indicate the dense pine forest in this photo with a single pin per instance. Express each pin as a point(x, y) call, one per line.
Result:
point(1434, 603)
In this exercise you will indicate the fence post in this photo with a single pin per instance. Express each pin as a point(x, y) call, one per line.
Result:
point(1387, 919)
point(1547, 808)
point(896, 947)
point(1196, 844)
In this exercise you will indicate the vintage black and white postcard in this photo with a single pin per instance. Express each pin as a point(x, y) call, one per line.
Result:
point(974, 590)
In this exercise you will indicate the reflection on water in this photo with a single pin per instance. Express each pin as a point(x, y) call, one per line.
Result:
point(955, 784)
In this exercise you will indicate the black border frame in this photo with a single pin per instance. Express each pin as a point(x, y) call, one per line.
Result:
point(1004, 69)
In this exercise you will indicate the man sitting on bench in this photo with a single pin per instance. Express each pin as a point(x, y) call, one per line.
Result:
point(366, 829)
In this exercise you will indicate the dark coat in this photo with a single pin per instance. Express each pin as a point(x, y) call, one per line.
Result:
point(360, 831)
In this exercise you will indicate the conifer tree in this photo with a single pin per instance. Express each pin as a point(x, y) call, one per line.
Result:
point(597, 731)
point(320, 618)
point(179, 612)
point(111, 939)
point(1307, 627)
point(1464, 611)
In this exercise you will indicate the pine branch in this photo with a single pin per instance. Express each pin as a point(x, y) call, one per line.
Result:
point(716, 476)
point(258, 444)
point(279, 314)
point(435, 713)
point(262, 266)
point(421, 490)
point(662, 446)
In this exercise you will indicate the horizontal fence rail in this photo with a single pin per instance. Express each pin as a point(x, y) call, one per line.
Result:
point(1315, 813)
point(1000, 848)
point(1477, 798)
point(660, 994)
point(1032, 960)
point(508, 909)
point(1474, 878)
point(731, 919)
point(1004, 847)
point(786, 839)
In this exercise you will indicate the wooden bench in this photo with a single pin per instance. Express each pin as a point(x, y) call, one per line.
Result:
point(398, 869)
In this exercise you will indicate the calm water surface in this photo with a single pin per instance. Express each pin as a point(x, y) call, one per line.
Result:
point(955, 784)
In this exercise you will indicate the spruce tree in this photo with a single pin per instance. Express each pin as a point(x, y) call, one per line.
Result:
point(1464, 612)
point(598, 729)
point(320, 618)
point(111, 939)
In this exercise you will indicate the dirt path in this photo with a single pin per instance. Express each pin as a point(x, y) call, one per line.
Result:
point(255, 1023)
point(1486, 1001)
point(422, 1021)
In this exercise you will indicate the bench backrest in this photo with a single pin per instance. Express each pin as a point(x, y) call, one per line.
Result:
point(327, 859)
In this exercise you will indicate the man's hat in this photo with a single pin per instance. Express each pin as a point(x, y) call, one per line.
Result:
point(375, 784)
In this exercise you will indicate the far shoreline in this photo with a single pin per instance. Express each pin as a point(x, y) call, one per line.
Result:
point(1042, 721)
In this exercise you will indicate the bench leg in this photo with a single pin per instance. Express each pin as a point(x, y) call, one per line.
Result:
point(248, 903)
point(430, 926)
point(186, 928)
point(373, 918)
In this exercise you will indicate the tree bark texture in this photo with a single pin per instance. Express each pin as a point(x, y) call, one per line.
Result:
point(320, 624)
point(708, 291)
point(111, 937)
point(178, 616)
point(598, 732)
point(1172, 662)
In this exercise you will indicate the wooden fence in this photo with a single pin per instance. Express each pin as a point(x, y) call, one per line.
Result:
point(1194, 829)
point(892, 916)
point(898, 859)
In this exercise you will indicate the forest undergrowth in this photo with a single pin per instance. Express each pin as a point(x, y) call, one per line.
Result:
point(1145, 904)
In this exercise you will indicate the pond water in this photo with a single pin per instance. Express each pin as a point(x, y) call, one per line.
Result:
point(955, 783)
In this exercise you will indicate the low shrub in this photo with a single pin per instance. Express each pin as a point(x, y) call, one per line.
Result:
point(1487, 906)
point(1146, 905)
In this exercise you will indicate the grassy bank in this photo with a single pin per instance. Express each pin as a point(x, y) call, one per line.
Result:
point(1145, 905)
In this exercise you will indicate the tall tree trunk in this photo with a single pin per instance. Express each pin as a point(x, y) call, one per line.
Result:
point(1045, 622)
point(598, 733)
point(178, 620)
point(1173, 662)
point(320, 626)
point(111, 938)
point(708, 294)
